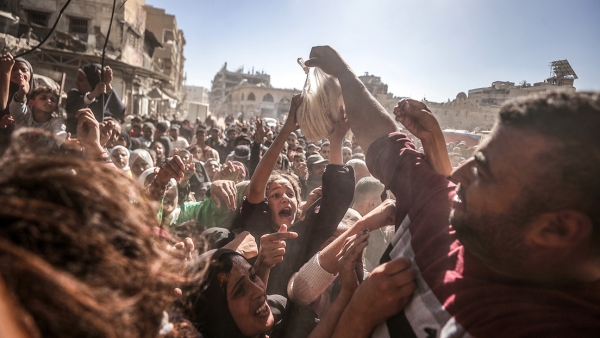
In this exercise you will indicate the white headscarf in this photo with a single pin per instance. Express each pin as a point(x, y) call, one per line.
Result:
point(128, 155)
point(144, 176)
point(143, 154)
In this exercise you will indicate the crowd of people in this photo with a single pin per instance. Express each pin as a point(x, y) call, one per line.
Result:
point(117, 226)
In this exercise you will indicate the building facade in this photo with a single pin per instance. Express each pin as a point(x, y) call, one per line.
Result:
point(477, 110)
point(79, 40)
point(224, 82)
point(259, 100)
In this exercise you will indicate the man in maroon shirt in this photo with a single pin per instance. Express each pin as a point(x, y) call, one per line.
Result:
point(509, 246)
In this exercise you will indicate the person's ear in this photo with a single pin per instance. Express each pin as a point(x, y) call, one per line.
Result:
point(561, 229)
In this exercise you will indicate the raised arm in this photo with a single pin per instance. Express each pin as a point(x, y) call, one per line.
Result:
point(258, 183)
point(336, 138)
point(379, 217)
point(6, 64)
point(361, 107)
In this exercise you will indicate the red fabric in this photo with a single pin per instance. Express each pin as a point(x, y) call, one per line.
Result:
point(481, 301)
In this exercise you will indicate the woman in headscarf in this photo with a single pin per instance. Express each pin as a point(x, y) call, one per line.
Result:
point(91, 92)
point(139, 161)
point(120, 157)
point(21, 68)
point(232, 300)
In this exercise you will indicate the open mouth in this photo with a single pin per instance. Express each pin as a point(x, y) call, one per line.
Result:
point(262, 311)
point(285, 212)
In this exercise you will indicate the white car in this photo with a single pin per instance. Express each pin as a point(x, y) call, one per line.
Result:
point(271, 122)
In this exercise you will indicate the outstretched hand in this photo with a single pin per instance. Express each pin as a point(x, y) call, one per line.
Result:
point(382, 215)
point(350, 265)
point(172, 167)
point(88, 132)
point(224, 192)
point(291, 123)
point(185, 248)
point(328, 60)
point(340, 129)
point(387, 291)
point(106, 131)
point(6, 63)
point(261, 132)
point(416, 117)
point(272, 247)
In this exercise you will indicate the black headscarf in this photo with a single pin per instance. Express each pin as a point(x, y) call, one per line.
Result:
point(207, 308)
point(91, 72)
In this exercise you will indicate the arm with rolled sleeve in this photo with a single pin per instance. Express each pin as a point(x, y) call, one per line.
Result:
point(309, 284)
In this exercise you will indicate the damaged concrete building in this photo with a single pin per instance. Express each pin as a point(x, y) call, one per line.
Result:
point(145, 47)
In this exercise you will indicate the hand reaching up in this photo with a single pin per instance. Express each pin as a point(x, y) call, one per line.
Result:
point(224, 192)
point(416, 117)
point(382, 215)
point(328, 60)
point(386, 292)
point(350, 265)
point(6, 63)
point(88, 132)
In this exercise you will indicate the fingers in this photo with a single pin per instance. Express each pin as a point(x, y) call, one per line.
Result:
point(278, 236)
point(354, 246)
point(313, 61)
point(85, 111)
point(225, 191)
point(189, 244)
point(395, 266)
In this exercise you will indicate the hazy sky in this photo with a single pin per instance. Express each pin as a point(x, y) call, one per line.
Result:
point(431, 48)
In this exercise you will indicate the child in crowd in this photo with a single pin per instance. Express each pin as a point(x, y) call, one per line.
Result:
point(11, 71)
point(273, 204)
point(39, 112)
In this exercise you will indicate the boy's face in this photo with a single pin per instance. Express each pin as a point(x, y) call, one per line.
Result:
point(44, 102)
point(19, 69)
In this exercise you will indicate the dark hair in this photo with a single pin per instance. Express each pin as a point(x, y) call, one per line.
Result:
point(162, 127)
point(206, 306)
point(278, 175)
point(42, 90)
point(571, 121)
point(76, 253)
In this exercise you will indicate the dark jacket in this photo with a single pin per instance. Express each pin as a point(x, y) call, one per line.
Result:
point(322, 219)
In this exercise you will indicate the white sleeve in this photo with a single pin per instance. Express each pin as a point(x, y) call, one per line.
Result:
point(87, 101)
point(59, 128)
point(17, 109)
point(309, 283)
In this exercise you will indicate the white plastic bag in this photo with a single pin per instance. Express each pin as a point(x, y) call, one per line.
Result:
point(322, 105)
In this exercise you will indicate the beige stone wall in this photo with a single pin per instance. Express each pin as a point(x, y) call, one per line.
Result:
point(239, 101)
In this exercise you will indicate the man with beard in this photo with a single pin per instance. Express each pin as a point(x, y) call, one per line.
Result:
point(521, 257)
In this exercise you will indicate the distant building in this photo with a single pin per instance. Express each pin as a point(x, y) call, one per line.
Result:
point(196, 94)
point(380, 91)
point(250, 93)
point(79, 38)
point(479, 108)
point(259, 100)
point(169, 58)
point(196, 102)
point(224, 82)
